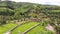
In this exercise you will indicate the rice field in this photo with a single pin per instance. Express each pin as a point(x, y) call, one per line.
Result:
point(6, 27)
point(22, 28)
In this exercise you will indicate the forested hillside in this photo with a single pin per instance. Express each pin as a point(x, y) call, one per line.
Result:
point(20, 10)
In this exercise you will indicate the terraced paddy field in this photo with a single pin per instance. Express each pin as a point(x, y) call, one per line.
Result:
point(24, 27)
point(6, 27)
point(27, 28)
point(39, 30)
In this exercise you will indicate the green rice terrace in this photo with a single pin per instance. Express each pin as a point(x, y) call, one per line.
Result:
point(36, 27)
point(29, 18)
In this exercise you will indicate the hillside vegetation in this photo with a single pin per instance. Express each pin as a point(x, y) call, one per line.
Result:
point(20, 11)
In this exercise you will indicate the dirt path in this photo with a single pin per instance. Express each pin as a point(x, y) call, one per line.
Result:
point(9, 32)
point(49, 27)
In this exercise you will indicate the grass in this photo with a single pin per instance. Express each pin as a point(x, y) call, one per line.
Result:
point(6, 27)
point(39, 30)
point(24, 27)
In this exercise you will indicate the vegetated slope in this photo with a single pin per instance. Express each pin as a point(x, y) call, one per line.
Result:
point(25, 10)
point(49, 14)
